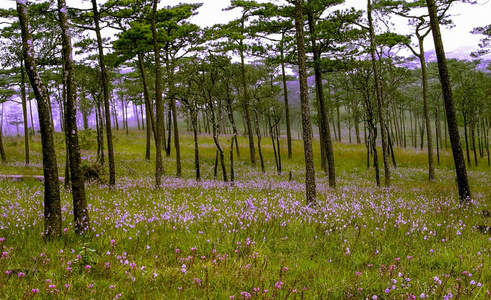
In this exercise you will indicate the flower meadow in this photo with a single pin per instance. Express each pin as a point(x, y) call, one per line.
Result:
point(254, 239)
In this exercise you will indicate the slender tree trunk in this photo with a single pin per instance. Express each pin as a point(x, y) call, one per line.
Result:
point(247, 110)
point(380, 100)
point(169, 130)
point(287, 106)
point(231, 152)
point(278, 146)
point(397, 124)
point(63, 121)
point(159, 167)
point(373, 142)
point(3, 156)
point(324, 122)
point(437, 135)
point(85, 113)
point(31, 116)
point(220, 154)
point(176, 138)
point(349, 126)
point(462, 181)
point(466, 139)
point(23, 96)
point(137, 116)
point(80, 210)
point(367, 143)
point(310, 185)
point(52, 200)
point(100, 133)
point(194, 121)
point(105, 87)
point(486, 140)
point(473, 140)
point(258, 134)
point(391, 150)
point(148, 106)
point(357, 125)
point(338, 119)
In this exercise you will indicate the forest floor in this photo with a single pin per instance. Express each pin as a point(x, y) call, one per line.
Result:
point(255, 238)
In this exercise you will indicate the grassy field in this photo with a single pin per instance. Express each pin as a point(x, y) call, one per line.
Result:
point(254, 239)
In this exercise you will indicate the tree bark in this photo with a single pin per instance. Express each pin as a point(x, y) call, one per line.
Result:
point(148, 106)
point(3, 156)
point(310, 185)
point(80, 210)
point(105, 87)
point(24, 111)
point(429, 136)
point(52, 202)
point(247, 112)
point(194, 121)
point(324, 122)
point(458, 155)
point(287, 106)
point(176, 126)
point(380, 100)
point(159, 167)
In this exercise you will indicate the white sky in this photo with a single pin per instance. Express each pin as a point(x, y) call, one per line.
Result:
point(456, 40)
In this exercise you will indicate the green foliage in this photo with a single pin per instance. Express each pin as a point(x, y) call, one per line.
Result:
point(87, 139)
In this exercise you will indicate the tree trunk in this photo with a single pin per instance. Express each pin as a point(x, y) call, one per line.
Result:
point(105, 86)
point(380, 100)
point(324, 122)
point(194, 121)
point(473, 140)
point(373, 142)
point(176, 138)
point(3, 156)
point(80, 210)
point(258, 134)
point(159, 167)
point(148, 106)
point(63, 121)
point(24, 111)
point(247, 110)
point(287, 106)
point(486, 140)
point(169, 130)
point(437, 135)
point(52, 202)
point(462, 181)
point(220, 154)
point(466, 138)
point(137, 116)
point(100, 133)
point(310, 185)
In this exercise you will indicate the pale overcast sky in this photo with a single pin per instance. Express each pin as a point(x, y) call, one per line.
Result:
point(457, 40)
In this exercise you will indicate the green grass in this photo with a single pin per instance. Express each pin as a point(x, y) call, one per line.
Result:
point(254, 239)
